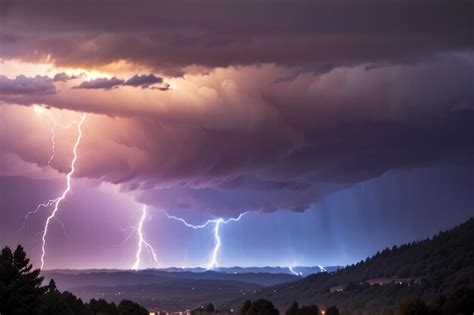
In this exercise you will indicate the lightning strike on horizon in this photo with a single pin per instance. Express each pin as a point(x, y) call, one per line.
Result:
point(300, 274)
point(142, 242)
point(217, 223)
point(213, 262)
point(66, 190)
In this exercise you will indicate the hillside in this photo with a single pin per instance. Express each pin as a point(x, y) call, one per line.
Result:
point(427, 269)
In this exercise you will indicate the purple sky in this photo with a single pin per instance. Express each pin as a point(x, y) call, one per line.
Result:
point(315, 113)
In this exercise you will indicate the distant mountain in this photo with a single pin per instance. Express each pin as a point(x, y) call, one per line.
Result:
point(425, 269)
point(300, 270)
point(69, 279)
point(175, 288)
point(164, 289)
point(265, 276)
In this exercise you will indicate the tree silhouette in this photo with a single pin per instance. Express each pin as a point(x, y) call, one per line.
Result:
point(20, 286)
point(460, 302)
point(413, 306)
point(293, 309)
point(245, 307)
point(101, 307)
point(127, 307)
point(262, 307)
point(333, 310)
point(309, 310)
point(209, 308)
point(21, 293)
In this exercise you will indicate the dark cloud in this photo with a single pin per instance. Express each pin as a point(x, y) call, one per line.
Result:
point(238, 138)
point(171, 35)
point(63, 77)
point(143, 81)
point(23, 85)
point(101, 83)
point(139, 80)
point(267, 111)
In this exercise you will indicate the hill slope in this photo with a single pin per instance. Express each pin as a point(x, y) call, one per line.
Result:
point(426, 269)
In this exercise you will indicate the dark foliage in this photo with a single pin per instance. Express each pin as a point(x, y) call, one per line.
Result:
point(245, 307)
point(203, 310)
point(259, 307)
point(294, 309)
point(333, 310)
point(416, 306)
point(20, 285)
point(127, 307)
point(460, 302)
point(21, 292)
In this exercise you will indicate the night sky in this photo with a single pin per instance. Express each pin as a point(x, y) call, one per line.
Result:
point(338, 127)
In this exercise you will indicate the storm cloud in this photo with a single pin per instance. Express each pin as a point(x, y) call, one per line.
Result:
point(243, 139)
point(170, 36)
point(262, 111)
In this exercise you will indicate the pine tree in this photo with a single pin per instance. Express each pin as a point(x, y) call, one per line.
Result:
point(20, 285)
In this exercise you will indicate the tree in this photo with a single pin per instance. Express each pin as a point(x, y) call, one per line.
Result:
point(127, 307)
point(333, 310)
point(293, 309)
point(309, 310)
point(209, 308)
point(460, 302)
point(245, 307)
point(101, 307)
point(21, 293)
point(413, 306)
point(20, 286)
point(262, 307)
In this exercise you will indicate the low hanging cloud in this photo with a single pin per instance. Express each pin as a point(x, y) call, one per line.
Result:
point(23, 85)
point(63, 77)
point(101, 83)
point(143, 81)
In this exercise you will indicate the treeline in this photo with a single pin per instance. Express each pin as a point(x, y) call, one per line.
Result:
point(459, 303)
point(441, 266)
point(311, 309)
point(22, 292)
point(265, 307)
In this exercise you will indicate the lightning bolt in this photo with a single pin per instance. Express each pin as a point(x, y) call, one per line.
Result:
point(213, 262)
point(217, 239)
point(300, 274)
point(53, 134)
point(55, 125)
point(143, 243)
point(57, 202)
point(53, 139)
